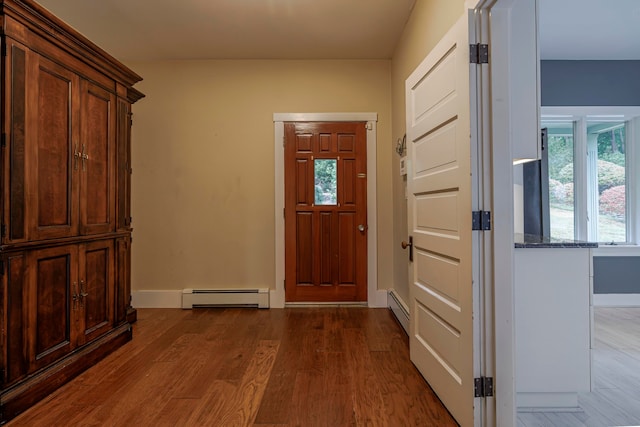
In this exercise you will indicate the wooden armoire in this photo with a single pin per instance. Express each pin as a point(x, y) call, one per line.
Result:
point(65, 204)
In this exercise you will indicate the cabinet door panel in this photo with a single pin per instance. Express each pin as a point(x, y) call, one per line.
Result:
point(96, 289)
point(53, 282)
point(14, 159)
point(97, 187)
point(124, 165)
point(14, 286)
point(52, 114)
point(123, 280)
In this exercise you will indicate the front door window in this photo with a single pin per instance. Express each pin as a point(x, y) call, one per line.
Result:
point(325, 181)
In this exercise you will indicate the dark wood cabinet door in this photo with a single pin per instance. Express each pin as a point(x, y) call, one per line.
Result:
point(96, 290)
point(14, 167)
point(14, 320)
point(123, 278)
point(97, 145)
point(52, 284)
point(51, 152)
point(123, 189)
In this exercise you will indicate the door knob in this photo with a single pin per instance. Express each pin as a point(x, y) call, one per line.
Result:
point(409, 245)
point(361, 228)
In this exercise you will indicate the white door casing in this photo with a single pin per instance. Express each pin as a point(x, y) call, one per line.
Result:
point(440, 204)
point(376, 297)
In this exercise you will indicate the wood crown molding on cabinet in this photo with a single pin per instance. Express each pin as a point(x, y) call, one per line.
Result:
point(41, 22)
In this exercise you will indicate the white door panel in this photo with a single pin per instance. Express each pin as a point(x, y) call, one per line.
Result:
point(441, 274)
point(440, 196)
point(436, 151)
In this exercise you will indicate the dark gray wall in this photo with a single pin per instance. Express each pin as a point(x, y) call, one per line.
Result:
point(590, 83)
point(616, 275)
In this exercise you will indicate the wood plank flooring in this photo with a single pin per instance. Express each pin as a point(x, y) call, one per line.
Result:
point(615, 400)
point(333, 366)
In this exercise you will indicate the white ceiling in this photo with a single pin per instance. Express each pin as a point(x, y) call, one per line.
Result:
point(238, 29)
point(589, 29)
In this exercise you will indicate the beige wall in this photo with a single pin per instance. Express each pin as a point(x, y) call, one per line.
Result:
point(203, 163)
point(429, 21)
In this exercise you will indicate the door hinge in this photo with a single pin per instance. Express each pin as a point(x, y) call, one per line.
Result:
point(483, 387)
point(368, 126)
point(481, 220)
point(284, 215)
point(479, 53)
point(284, 283)
point(3, 140)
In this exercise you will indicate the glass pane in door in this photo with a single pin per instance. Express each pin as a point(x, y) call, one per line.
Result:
point(326, 181)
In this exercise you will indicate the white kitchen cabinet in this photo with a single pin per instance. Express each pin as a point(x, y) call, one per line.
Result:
point(552, 323)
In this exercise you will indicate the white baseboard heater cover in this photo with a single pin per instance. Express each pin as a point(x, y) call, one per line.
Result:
point(399, 309)
point(257, 298)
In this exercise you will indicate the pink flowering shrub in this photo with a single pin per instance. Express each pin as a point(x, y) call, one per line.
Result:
point(612, 201)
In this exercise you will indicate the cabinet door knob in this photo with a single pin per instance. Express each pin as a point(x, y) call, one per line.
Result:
point(83, 293)
point(76, 156)
point(75, 295)
point(84, 157)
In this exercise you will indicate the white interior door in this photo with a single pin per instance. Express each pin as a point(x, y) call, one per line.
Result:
point(440, 204)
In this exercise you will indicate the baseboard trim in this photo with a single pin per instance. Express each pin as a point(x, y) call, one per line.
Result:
point(378, 299)
point(173, 299)
point(616, 300)
point(547, 402)
point(157, 299)
point(399, 309)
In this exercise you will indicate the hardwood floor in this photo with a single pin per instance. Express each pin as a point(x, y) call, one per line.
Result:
point(615, 400)
point(325, 367)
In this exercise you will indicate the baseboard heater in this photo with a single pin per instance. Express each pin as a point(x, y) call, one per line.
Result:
point(399, 310)
point(194, 298)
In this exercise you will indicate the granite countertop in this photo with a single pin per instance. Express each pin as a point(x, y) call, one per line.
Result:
point(531, 241)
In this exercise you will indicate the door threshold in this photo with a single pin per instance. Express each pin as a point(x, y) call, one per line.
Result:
point(326, 304)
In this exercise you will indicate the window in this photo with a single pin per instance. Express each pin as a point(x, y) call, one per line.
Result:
point(591, 160)
point(561, 179)
point(607, 179)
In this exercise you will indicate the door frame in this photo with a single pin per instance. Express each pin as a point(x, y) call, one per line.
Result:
point(496, 137)
point(375, 297)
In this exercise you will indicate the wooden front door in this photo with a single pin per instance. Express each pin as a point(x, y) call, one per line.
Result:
point(440, 196)
point(325, 212)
